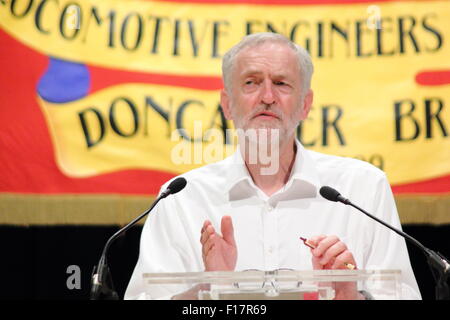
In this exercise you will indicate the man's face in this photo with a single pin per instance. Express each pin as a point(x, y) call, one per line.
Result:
point(266, 90)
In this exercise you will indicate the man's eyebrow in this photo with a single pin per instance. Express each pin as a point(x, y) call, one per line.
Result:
point(258, 72)
point(280, 76)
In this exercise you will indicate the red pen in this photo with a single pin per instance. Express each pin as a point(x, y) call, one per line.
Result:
point(307, 243)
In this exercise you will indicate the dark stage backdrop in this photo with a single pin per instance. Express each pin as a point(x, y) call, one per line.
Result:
point(35, 260)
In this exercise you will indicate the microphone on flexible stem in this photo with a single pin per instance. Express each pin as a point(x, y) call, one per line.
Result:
point(439, 265)
point(102, 287)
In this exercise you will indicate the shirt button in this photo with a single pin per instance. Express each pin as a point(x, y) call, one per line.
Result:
point(270, 249)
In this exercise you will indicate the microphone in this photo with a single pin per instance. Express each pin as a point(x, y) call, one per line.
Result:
point(174, 187)
point(102, 287)
point(439, 265)
point(332, 195)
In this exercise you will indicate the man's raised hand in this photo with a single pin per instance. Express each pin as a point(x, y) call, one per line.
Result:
point(219, 252)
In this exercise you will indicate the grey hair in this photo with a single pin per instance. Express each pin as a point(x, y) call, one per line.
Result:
point(253, 40)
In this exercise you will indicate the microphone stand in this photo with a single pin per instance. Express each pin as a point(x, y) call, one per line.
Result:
point(439, 265)
point(102, 286)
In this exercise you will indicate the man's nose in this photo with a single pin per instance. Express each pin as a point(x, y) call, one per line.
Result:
point(268, 95)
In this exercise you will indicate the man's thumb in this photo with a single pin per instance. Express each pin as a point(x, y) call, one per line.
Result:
point(227, 230)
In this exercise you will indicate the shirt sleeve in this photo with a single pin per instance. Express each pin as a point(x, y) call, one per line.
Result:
point(385, 249)
point(164, 247)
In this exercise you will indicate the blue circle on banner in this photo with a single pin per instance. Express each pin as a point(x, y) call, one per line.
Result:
point(64, 81)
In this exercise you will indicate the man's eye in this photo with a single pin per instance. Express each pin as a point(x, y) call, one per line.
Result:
point(280, 83)
point(248, 82)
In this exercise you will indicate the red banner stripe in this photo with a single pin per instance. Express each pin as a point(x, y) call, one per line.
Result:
point(439, 185)
point(103, 78)
point(433, 78)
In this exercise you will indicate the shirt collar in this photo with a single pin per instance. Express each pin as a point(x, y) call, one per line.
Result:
point(238, 171)
point(304, 181)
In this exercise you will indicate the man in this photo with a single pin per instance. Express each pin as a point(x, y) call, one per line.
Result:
point(246, 218)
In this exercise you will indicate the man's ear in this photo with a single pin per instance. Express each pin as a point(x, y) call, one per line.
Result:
point(225, 104)
point(307, 104)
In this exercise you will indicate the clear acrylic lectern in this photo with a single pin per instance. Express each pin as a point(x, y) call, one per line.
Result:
point(268, 285)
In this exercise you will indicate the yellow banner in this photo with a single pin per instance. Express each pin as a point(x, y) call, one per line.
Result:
point(368, 101)
point(176, 129)
point(190, 39)
point(138, 126)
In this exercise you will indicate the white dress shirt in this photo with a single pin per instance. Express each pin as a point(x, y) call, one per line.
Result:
point(267, 229)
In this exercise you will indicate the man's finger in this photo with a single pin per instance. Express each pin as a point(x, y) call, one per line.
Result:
point(316, 264)
point(207, 246)
point(324, 244)
point(344, 261)
point(332, 252)
point(316, 239)
point(209, 230)
point(205, 224)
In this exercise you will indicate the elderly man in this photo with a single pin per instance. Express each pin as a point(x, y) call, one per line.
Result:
point(247, 218)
